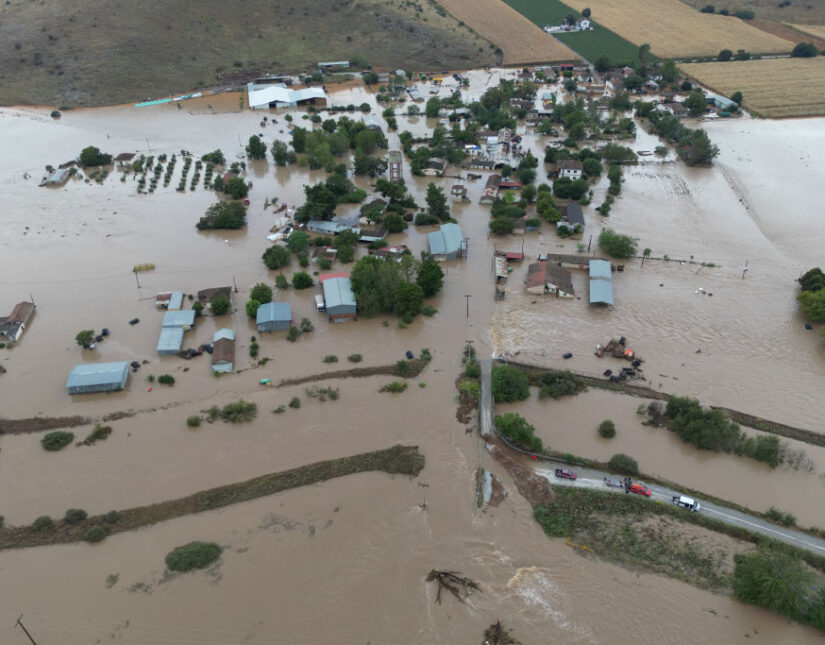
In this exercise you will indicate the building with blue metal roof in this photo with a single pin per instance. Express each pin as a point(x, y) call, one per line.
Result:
point(446, 243)
point(274, 316)
point(601, 283)
point(98, 377)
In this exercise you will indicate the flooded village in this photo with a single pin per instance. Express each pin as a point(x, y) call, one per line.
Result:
point(505, 180)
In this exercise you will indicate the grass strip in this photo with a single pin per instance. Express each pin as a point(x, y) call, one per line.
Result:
point(402, 460)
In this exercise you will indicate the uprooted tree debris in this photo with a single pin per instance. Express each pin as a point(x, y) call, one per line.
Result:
point(495, 634)
point(454, 582)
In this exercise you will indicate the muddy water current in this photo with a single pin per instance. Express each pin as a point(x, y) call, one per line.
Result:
point(344, 561)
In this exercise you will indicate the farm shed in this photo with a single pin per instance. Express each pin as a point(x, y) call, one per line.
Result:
point(488, 196)
point(98, 377)
point(274, 316)
point(447, 243)
point(278, 96)
point(175, 301)
point(223, 350)
point(371, 121)
point(170, 341)
point(183, 319)
point(601, 284)
point(57, 177)
point(338, 296)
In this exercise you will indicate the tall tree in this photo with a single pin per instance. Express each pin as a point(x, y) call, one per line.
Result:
point(437, 202)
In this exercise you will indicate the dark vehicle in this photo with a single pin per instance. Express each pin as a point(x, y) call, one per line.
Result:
point(563, 473)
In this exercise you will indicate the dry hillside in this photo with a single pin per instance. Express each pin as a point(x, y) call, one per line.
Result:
point(98, 52)
point(673, 29)
point(801, 11)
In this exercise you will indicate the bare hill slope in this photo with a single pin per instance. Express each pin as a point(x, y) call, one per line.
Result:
point(99, 52)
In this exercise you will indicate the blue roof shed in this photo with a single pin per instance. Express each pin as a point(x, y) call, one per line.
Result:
point(446, 243)
point(98, 377)
point(274, 316)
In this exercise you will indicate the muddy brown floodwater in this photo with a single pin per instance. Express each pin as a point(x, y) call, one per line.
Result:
point(345, 561)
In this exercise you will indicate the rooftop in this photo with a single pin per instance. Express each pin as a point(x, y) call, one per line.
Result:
point(447, 240)
point(97, 374)
point(274, 312)
point(338, 291)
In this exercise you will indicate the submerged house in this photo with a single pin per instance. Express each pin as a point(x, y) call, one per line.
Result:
point(488, 196)
point(274, 316)
point(338, 296)
point(549, 277)
point(98, 377)
point(447, 243)
point(174, 324)
point(223, 350)
point(13, 325)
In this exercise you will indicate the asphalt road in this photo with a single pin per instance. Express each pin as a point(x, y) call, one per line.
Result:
point(588, 478)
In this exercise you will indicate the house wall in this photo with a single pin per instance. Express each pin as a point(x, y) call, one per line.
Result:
point(341, 313)
point(89, 389)
point(274, 325)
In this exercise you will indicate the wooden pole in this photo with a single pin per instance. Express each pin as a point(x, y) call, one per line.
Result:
point(20, 624)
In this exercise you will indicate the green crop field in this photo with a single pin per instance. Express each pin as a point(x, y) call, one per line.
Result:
point(589, 44)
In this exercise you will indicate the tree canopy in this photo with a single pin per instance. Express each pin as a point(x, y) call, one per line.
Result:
point(223, 215)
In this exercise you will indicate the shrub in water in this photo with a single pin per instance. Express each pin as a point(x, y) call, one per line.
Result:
point(295, 402)
point(354, 358)
point(166, 379)
point(193, 421)
point(111, 517)
point(195, 555)
point(42, 523)
point(75, 515)
point(607, 429)
point(623, 464)
point(95, 534)
point(57, 440)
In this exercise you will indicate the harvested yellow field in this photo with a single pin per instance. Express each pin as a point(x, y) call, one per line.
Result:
point(521, 40)
point(675, 30)
point(775, 87)
point(813, 30)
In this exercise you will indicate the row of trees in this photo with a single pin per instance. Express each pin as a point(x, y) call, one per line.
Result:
point(712, 430)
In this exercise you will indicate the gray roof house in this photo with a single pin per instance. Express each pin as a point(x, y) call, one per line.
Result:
point(601, 283)
point(446, 243)
point(98, 377)
point(172, 328)
point(181, 318)
point(338, 296)
point(274, 316)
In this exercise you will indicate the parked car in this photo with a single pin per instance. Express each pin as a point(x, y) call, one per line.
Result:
point(565, 474)
point(687, 502)
point(639, 489)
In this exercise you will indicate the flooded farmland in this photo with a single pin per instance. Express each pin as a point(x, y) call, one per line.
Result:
point(345, 561)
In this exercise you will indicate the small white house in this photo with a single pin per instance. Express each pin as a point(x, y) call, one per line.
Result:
point(571, 168)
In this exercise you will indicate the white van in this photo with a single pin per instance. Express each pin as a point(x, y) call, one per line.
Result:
point(319, 302)
point(687, 502)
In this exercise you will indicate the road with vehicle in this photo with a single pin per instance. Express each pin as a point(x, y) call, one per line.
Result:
point(589, 478)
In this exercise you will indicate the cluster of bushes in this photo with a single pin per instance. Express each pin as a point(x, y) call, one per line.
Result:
point(509, 384)
point(616, 245)
point(812, 295)
point(195, 555)
point(56, 440)
point(223, 215)
point(334, 139)
point(515, 428)
point(712, 430)
point(237, 412)
point(693, 146)
point(557, 383)
point(780, 581)
point(382, 285)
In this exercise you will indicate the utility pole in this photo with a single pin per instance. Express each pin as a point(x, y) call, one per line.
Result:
point(20, 624)
point(589, 242)
point(137, 279)
point(745, 269)
point(235, 284)
point(468, 296)
point(148, 146)
point(31, 297)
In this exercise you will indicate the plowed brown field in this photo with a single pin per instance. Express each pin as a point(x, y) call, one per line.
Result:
point(520, 39)
point(675, 30)
point(776, 87)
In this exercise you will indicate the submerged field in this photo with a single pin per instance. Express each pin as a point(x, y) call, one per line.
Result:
point(589, 44)
point(521, 41)
point(780, 87)
point(675, 30)
point(94, 52)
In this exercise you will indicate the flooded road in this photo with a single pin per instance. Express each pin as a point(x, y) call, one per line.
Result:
point(296, 569)
point(569, 425)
